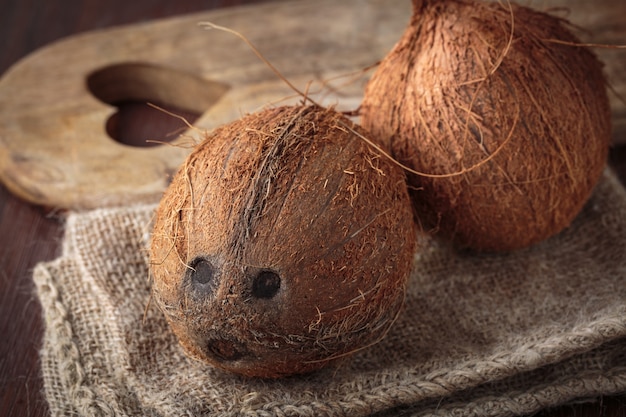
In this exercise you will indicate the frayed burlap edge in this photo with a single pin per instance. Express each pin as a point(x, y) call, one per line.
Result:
point(92, 365)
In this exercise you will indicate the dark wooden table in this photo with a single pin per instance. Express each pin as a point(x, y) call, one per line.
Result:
point(30, 234)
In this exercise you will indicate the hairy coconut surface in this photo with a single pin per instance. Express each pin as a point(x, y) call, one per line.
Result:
point(284, 242)
point(493, 94)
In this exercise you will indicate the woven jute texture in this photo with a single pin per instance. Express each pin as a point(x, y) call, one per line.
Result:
point(481, 335)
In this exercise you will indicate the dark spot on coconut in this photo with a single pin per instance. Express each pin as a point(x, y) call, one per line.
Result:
point(226, 350)
point(265, 284)
point(203, 276)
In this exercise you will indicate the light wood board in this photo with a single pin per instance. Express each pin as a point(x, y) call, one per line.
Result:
point(54, 149)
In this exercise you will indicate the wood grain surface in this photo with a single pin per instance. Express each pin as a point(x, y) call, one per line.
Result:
point(30, 233)
point(55, 151)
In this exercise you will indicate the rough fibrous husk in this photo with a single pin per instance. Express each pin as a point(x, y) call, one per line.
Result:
point(294, 191)
point(482, 90)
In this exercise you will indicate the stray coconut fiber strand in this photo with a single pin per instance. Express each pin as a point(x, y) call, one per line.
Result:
point(489, 335)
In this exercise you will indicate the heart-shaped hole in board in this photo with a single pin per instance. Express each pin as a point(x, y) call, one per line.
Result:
point(153, 102)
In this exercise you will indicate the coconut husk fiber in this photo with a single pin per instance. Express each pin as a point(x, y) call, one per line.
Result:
point(488, 335)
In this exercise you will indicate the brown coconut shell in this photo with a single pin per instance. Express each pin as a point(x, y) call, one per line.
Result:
point(505, 110)
point(283, 243)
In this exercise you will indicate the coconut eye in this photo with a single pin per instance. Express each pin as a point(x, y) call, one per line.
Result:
point(226, 350)
point(203, 275)
point(265, 284)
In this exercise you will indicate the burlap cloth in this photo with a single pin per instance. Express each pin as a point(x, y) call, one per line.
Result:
point(481, 335)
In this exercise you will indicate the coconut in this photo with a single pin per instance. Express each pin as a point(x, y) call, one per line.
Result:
point(282, 244)
point(501, 113)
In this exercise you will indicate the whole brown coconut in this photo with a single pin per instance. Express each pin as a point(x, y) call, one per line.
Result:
point(284, 242)
point(504, 108)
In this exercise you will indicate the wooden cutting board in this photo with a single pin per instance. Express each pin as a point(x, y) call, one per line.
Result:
point(55, 103)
